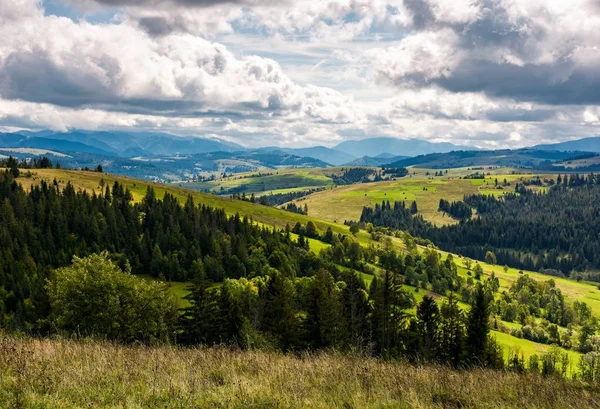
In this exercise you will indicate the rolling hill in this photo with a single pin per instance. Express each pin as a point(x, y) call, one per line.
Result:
point(522, 158)
point(269, 216)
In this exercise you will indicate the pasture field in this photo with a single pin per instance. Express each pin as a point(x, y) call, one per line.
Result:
point(346, 202)
point(265, 182)
point(573, 290)
point(270, 181)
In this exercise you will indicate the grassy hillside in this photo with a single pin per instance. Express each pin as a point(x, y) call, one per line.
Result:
point(265, 182)
point(346, 202)
point(92, 182)
point(69, 374)
point(274, 217)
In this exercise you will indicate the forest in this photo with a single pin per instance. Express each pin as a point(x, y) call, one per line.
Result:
point(534, 230)
point(252, 287)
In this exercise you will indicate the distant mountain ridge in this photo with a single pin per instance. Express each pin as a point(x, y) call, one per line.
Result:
point(521, 158)
point(374, 147)
point(379, 160)
point(581, 145)
point(120, 144)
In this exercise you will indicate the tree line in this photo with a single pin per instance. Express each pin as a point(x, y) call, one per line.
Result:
point(69, 257)
point(556, 229)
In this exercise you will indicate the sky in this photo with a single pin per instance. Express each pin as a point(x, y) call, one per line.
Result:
point(491, 74)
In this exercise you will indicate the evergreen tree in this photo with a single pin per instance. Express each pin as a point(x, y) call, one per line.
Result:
point(325, 327)
point(389, 305)
point(280, 320)
point(451, 332)
point(199, 321)
point(427, 325)
point(478, 327)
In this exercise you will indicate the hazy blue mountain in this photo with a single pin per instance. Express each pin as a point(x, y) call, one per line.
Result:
point(23, 141)
point(385, 156)
point(327, 155)
point(582, 145)
point(128, 144)
point(374, 161)
point(397, 147)
point(522, 158)
point(278, 157)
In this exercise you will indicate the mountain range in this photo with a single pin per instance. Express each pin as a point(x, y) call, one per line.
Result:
point(366, 152)
point(373, 147)
point(581, 145)
point(121, 144)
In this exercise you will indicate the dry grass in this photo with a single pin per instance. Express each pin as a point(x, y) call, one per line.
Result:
point(69, 374)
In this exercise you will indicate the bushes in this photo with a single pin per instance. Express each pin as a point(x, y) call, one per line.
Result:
point(94, 297)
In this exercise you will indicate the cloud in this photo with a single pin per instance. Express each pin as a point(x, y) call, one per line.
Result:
point(181, 3)
point(490, 73)
point(535, 51)
point(117, 66)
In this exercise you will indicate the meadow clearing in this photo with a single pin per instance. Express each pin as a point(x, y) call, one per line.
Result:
point(346, 202)
point(269, 181)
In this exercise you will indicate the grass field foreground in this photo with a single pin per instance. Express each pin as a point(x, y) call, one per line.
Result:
point(71, 374)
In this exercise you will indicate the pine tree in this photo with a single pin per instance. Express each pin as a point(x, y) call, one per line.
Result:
point(199, 321)
point(389, 304)
point(324, 324)
point(356, 309)
point(280, 319)
point(451, 332)
point(478, 328)
point(427, 325)
point(413, 208)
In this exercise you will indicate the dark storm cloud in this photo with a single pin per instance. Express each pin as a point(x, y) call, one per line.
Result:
point(562, 83)
point(495, 31)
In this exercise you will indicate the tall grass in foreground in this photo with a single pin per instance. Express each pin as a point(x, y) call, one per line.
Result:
point(69, 374)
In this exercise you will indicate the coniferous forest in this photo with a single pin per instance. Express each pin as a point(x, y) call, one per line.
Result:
point(99, 265)
point(252, 286)
point(555, 229)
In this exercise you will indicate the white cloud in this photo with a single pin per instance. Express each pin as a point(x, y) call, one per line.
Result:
point(395, 68)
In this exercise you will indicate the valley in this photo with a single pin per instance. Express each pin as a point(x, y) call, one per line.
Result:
point(449, 186)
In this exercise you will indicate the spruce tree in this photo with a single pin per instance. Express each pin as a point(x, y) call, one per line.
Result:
point(427, 325)
point(451, 332)
point(478, 328)
point(280, 319)
point(325, 325)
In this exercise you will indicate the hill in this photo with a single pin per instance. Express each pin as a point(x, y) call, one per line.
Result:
point(171, 168)
point(521, 158)
point(394, 146)
point(91, 181)
point(581, 145)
